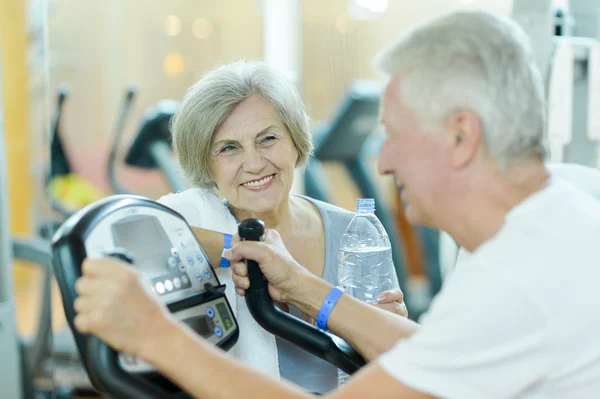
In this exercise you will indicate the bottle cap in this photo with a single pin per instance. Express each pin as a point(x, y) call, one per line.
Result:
point(365, 205)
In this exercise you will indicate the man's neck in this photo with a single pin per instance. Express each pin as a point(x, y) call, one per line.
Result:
point(481, 211)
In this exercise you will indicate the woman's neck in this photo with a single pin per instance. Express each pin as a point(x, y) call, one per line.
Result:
point(280, 219)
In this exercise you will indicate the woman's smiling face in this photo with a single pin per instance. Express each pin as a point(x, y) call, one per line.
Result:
point(253, 157)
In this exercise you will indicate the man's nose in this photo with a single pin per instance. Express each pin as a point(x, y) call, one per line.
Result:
point(383, 166)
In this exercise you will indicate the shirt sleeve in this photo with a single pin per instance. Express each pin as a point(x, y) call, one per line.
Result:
point(483, 338)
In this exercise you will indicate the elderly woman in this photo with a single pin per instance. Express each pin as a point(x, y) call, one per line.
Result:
point(241, 131)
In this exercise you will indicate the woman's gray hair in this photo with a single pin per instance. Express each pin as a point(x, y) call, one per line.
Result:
point(473, 60)
point(209, 101)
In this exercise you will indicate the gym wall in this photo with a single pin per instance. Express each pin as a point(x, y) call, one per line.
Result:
point(99, 48)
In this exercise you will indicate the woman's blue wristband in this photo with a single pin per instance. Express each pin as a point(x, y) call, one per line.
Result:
point(226, 246)
point(327, 306)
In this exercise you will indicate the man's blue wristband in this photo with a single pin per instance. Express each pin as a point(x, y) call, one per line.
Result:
point(226, 246)
point(327, 306)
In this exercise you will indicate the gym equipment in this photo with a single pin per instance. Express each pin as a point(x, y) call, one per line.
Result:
point(118, 133)
point(66, 190)
point(151, 148)
point(308, 337)
point(567, 49)
point(158, 242)
point(348, 139)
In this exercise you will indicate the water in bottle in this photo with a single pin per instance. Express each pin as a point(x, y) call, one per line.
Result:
point(365, 261)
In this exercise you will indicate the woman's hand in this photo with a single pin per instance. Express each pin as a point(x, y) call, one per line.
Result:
point(116, 306)
point(392, 301)
point(278, 266)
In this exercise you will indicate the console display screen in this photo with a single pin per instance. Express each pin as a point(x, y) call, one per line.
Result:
point(146, 240)
point(222, 309)
point(203, 325)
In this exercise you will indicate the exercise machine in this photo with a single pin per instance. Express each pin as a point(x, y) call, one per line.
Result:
point(158, 242)
point(348, 139)
point(567, 50)
point(151, 148)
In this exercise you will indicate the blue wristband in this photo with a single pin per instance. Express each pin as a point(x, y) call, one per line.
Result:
point(226, 246)
point(327, 306)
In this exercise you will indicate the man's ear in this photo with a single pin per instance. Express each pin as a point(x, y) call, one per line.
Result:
point(465, 137)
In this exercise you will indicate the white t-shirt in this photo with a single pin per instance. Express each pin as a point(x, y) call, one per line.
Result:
point(520, 318)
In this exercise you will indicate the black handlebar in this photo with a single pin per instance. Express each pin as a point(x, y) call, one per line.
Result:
point(320, 343)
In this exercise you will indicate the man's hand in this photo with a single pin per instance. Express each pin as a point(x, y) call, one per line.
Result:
point(278, 266)
point(114, 305)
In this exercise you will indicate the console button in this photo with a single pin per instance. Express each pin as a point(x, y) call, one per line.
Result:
point(177, 282)
point(210, 312)
point(169, 285)
point(129, 360)
point(218, 332)
point(160, 288)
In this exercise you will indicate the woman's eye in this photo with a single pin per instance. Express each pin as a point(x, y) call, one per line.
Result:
point(269, 139)
point(227, 148)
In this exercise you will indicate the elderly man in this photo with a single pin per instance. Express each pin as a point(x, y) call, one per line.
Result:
point(464, 116)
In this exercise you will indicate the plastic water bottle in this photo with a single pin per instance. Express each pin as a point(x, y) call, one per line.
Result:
point(366, 266)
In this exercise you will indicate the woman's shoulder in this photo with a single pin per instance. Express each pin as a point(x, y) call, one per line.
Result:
point(198, 206)
point(332, 215)
point(189, 197)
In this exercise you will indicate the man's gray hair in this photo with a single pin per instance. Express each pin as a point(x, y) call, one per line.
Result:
point(476, 61)
point(209, 102)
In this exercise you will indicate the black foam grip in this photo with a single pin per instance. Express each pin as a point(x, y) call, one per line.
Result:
point(253, 230)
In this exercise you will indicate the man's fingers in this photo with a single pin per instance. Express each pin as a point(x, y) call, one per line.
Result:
point(81, 323)
point(102, 267)
point(83, 305)
point(87, 286)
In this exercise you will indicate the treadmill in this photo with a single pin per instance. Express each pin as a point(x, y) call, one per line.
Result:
point(151, 148)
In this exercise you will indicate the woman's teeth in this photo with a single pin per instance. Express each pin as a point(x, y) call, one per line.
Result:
point(257, 183)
